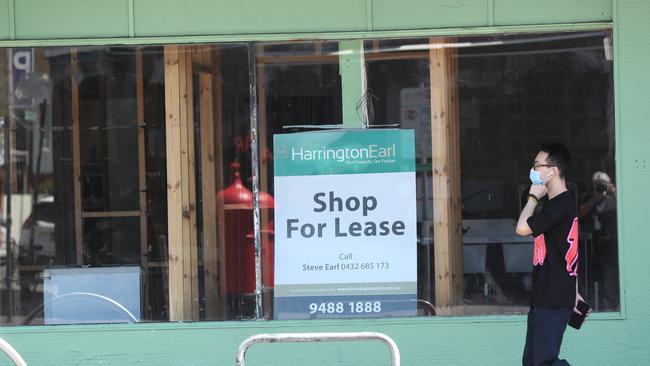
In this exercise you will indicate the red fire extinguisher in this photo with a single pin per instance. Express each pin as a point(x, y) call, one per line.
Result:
point(237, 203)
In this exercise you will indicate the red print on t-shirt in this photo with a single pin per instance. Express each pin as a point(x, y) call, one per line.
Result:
point(572, 254)
point(539, 253)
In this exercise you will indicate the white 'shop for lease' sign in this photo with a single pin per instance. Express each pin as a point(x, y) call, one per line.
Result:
point(345, 224)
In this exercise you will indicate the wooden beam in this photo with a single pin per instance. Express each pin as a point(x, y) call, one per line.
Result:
point(94, 214)
point(76, 155)
point(142, 174)
point(390, 56)
point(142, 167)
point(210, 238)
point(456, 196)
point(193, 269)
point(184, 104)
point(201, 59)
point(174, 181)
point(181, 187)
point(446, 179)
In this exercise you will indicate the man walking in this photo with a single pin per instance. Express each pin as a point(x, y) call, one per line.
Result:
point(555, 256)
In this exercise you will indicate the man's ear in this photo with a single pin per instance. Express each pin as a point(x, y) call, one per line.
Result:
point(552, 172)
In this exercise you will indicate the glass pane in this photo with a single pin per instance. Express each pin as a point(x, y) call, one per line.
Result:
point(223, 159)
point(107, 119)
point(540, 88)
point(514, 93)
point(294, 86)
point(299, 85)
point(59, 223)
point(399, 94)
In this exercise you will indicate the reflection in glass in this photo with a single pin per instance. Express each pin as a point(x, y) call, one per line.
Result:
point(399, 90)
point(515, 92)
point(74, 112)
point(298, 85)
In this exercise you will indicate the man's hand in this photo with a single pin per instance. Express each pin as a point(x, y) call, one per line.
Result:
point(538, 190)
point(575, 306)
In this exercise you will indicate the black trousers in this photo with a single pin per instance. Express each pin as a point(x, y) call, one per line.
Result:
point(546, 328)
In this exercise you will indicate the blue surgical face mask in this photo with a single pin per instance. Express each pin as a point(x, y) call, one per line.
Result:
point(535, 177)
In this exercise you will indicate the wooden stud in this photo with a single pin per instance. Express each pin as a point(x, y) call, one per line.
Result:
point(183, 266)
point(202, 57)
point(454, 152)
point(76, 154)
point(142, 168)
point(446, 178)
point(174, 181)
point(185, 193)
point(94, 214)
point(193, 270)
point(389, 56)
point(142, 175)
point(209, 196)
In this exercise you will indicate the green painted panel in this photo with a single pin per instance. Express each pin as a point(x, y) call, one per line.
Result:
point(166, 17)
point(350, 70)
point(71, 18)
point(510, 12)
point(5, 20)
point(413, 14)
point(421, 342)
point(632, 46)
point(59, 19)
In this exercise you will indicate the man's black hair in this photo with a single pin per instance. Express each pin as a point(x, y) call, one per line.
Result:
point(558, 155)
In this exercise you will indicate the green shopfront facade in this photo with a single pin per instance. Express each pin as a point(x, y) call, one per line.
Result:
point(213, 82)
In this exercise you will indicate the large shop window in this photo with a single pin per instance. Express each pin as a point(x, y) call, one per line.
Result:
point(148, 183)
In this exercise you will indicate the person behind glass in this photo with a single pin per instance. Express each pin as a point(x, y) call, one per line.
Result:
point(554, 227)
point(598, 227)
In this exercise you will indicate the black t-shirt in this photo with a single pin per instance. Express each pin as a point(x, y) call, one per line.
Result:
point(555, 256)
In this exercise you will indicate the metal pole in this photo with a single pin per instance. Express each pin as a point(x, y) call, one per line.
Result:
point(42, 107)
point(7, 222)
point(319, 337)
point(252, 87)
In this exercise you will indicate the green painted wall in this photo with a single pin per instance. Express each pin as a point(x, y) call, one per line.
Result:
point(351, 67)
point(5, 19)
point(47, 19)
point(605, 340)
point(159, 17)
point(550, 11)
point(55, 19)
